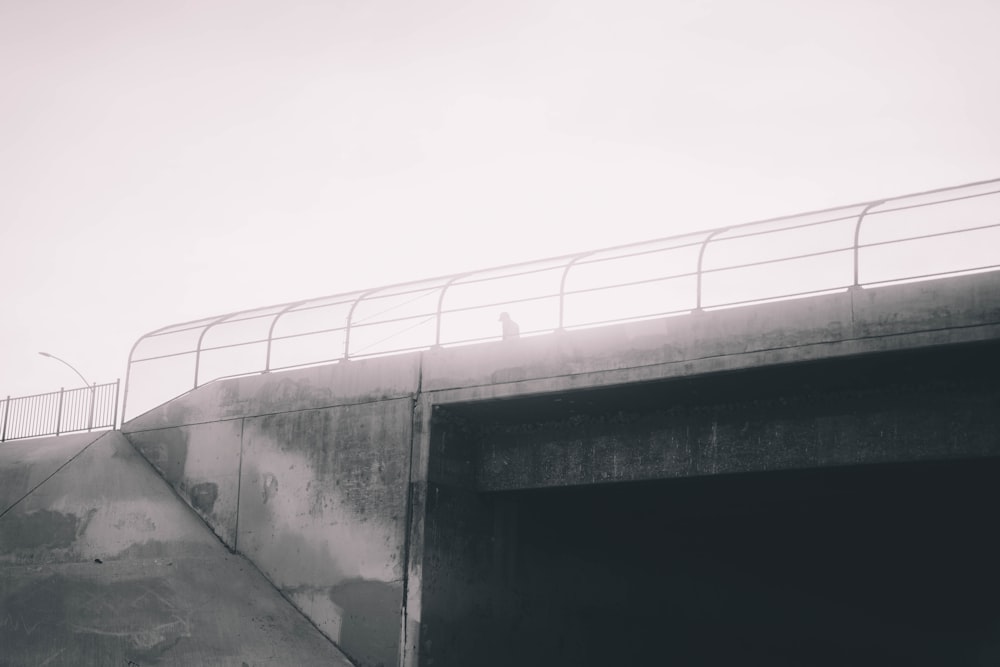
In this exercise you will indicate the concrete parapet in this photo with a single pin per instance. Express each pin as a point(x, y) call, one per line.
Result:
point(846, 323)
point(356, 381)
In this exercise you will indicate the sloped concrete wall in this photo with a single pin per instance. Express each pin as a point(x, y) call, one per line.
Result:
point(102, 564)
point(80, 516)
point(27, 463)
point(306, 473)
point(201, 461)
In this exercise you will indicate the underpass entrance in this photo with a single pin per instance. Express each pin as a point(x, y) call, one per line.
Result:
point(862, 566)
point(836, 513)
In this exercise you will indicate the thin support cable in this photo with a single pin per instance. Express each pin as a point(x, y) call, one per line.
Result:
point(420, 294)
point(396, 333)
point(350, 314)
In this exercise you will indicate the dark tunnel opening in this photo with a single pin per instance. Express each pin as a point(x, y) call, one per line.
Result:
point(839, 567)
point(877, 565)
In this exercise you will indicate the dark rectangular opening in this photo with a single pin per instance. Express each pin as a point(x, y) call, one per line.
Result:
point(876, 565)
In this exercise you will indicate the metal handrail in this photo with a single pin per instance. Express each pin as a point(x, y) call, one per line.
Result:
point(700, 242)
point(59, 412)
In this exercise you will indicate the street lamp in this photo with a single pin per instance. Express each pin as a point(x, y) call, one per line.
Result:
point(93, 391)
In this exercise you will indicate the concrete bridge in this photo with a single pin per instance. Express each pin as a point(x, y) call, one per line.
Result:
point(803, 482)
point(807, 478)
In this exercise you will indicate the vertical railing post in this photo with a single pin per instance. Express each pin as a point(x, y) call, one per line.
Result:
point(701, 260)
point(857, 237)
point(350, 316)
point(201, 339)
point(347, 330)
point(128, 375)
point(62, 390)
point(270, 333)
point(6, 409)
point(114, 419)
point(440, 306)
point(562, 287)
point(90, 416)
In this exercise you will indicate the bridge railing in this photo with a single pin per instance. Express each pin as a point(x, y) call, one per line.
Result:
point(58, 412)
point(913, 237)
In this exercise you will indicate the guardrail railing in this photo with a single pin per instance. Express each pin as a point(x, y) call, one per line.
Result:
point(58, 412)
point(914, 237)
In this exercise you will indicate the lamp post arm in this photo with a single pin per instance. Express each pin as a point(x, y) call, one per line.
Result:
point(52, 356)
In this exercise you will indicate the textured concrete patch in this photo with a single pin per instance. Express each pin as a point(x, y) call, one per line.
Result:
point(42, 529)
point(103, 565)
point(322, 509)
point(201, 462)
point(187, 611)
point(24, 464)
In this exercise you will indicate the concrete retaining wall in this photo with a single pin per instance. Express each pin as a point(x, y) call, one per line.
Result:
point(306, 474)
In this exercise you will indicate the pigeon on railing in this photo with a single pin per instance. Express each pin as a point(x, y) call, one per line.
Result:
point(510, 328)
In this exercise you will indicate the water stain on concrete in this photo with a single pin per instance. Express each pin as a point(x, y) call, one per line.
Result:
point(270, 486)
point(43, 528)
point(14, 482)
point(115, 621)
point(370, 623)
point(166, 449)
point(204, 495)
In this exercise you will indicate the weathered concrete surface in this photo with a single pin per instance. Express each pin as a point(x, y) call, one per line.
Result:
point(322, 513)
point(350, 480)
point(357, 381)
point(860, 321)
point(25, 464)
point(202, 463)
point(905, 407)
point(101, 564)
point(659, 400)
point(306, 473)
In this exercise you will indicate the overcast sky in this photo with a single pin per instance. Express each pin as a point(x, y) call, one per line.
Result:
point(162, 161)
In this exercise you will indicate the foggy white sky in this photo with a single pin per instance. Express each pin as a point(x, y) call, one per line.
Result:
point(165, 161)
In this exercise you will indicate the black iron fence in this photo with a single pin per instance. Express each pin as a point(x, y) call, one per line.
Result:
point(921, 236)
point(58, 412)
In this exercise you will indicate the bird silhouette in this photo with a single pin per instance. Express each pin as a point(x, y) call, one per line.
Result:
point(510, 327)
